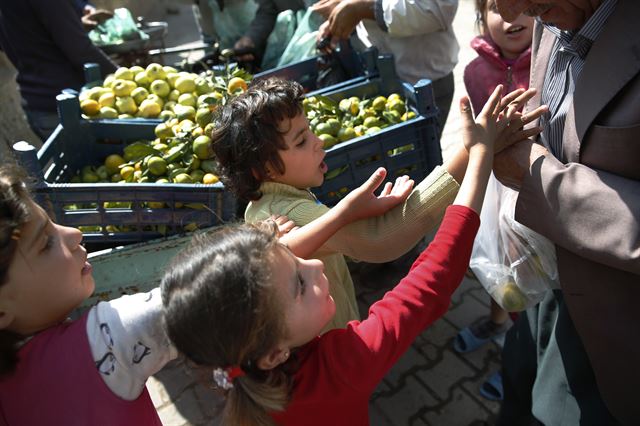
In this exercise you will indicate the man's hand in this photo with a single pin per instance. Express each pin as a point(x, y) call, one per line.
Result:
point(92, 17)
point(510, 165)
point(344, 17)
point(325, 7)
point(245, 43)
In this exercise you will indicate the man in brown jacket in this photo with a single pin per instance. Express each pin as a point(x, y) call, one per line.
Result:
point(575, 358)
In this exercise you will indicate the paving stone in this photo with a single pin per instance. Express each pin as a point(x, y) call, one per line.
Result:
point(184, 411)
point(466, 312)
point(461, 409)
point(175, 378)
point(445, 376)
point(404, 407)
point(409, 363)
point(158, 394)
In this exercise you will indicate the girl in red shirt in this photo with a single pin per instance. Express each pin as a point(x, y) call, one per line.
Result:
point(240, 304)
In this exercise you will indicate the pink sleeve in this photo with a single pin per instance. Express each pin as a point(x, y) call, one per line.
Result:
point(364, 351)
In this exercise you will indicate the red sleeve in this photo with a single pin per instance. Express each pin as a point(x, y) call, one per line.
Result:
point(361, 354)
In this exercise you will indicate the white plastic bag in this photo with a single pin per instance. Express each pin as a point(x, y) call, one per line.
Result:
point(515, 264)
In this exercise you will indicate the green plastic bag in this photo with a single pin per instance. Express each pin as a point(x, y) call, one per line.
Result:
point(118, 29)
point(282, 32)
point(303, 43)
point(232, 22)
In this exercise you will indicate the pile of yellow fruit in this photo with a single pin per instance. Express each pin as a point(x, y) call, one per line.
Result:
point(160, 92)
point(353, 117)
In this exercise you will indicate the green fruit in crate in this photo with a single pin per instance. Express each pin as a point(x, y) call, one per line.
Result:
point(187, 99)
point(126, 173)
point(185, 84)
point(328, 140)
point(169, 69)
point(204, 116)
point(209, 166)
point(171, 79)
point(136, 69)
point(162, 180)
point(197, 175)
point(113, 163)
point(126, 105)
point(160, 88)
point(396, 105)
point(346, 133)
point(203, 86)
point(202, 147)
point(155, 72)
point(149, 109)
point(166, 115)
point(209, 179)
point(163, 131)
point(107, 99)
point(123, 87)
point(408, 115)
point(334, 126)
point(157, 166)
point(89, 175)
point(174, 95)
point(142, 79)
point(184, 112)
point(139, 94)
point(322, 128)
point(108, 112)
point(108, 80)
point(102, 173)
point(370, 122)
point(208, 129)
point(124, 73)
point(372, 130)
point(90, 107)
point(379, 103)
point(169, 105)
point(183, 178)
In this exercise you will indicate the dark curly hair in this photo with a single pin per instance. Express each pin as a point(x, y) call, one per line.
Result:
point(14, 213)
point(246, 136)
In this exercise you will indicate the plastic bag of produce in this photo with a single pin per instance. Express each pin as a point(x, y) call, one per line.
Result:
point(279, 38)
point(303, 43)
point(117, 29)
point(515, 264)
point(232, 21)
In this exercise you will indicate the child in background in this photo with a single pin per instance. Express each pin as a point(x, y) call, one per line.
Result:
point(268, 155)
point(242, 305)
point(504, 57)
point(93, 370)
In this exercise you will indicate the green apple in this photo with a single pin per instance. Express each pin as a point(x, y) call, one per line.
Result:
point(169, 69)
point(155, 98)
point(123, 87)
point(136, 69)
point(160, 88)
point(155, 72)
point(142, 79)
point(187, 99)
point(139, 94)
point(185, 84)
point(123, 73)
point(171, 79)
point(126, 105)
point(203, 86)
point(174, 95)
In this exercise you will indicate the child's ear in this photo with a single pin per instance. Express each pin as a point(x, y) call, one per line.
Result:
point(273, 358)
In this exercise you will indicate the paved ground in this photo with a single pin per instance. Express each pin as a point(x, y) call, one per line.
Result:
point(431, 384)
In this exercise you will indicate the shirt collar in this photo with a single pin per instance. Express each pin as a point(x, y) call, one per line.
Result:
point(579, 42)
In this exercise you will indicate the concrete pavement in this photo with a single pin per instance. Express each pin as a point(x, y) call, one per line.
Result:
point(431, 384)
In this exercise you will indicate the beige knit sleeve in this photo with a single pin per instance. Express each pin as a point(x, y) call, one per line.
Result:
point(387, 237)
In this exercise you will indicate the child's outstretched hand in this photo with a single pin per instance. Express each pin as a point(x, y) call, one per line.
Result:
point(512, 131)
point(483, 130)
point(362, 202)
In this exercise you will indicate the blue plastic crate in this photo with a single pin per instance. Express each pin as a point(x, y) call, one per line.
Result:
point(359, 66)
point(76, 143)
point(411, 147)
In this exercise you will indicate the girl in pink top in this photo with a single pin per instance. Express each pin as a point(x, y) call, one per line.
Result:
point(240, 304)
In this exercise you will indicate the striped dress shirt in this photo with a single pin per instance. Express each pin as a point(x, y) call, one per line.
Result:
point(565, 64)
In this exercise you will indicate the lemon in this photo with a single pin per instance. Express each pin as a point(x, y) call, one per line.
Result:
point(379, 103)
point(372, 130)
point(346, 133)
point(157, 166)
point(210, 178)
point(323, 128)
point(127, 172)
point(90, 107)
point(197, 175)
point(408, 116)
point(183, 178)
point(107, 99)
point(163, 131)
point(108, 112)
point(149, 109)
point(236, 85)
point(371, 122)
point(185, 84)
point(328, 140)
point(202, 147)
point(113, 163)
point(396, 105)
point(334, 126)
point(209, 166)
point(204, 116)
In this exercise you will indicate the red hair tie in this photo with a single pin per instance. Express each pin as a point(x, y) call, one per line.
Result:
point(224, 377)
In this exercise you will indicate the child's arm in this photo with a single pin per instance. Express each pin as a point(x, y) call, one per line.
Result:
point(362, 353)
point(128, 342)
point(360, 203)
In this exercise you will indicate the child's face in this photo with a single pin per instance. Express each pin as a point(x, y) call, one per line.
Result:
point(304, 157)
point(512, 38)
point(304, 291)
point(48, 277)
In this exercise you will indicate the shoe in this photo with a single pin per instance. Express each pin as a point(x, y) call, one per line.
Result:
point(492, 388)
point(478, 334)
